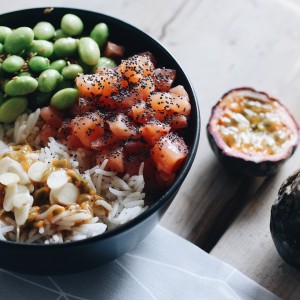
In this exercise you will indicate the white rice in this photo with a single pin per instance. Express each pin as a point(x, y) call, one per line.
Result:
point(123, 198)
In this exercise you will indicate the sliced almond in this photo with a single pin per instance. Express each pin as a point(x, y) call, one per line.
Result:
point(9, 178)
point(22, 189)
point(57, 179)
point(36, 171)
point(5, 163)
point(17, 168)
point(66, 195)
point(22, 199)
point(21, 214)
point(10, 192)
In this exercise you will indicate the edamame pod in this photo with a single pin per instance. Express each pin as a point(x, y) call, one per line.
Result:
point(100, 34)
point(44, 31)
point(4, 32)
point(12, 108)
point(48, 80)
point(1, 48)
point(19, 86)
point(18, 40)
point(71, 24)
point(89, 51)
point(41, 47)
point(65, 47)
point(39, 64)
point(12, 64)
point(65, 98)
point(58, 65)
point(71, 71)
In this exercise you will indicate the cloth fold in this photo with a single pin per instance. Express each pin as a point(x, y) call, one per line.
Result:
point(163, 266)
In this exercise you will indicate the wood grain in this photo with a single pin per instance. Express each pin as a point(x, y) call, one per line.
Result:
point(223, 45)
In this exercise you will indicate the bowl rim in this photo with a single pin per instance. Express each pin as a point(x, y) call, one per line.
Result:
point(162, 200)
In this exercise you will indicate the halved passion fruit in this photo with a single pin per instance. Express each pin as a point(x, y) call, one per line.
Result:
point(252, 132)
point(285, 221)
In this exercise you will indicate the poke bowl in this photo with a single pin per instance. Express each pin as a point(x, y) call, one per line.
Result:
point(88, 163)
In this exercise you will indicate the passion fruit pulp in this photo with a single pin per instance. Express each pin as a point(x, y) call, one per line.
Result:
point(285, 220)
point(251, 132)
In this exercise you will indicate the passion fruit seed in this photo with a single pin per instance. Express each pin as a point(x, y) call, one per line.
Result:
point(252, 127)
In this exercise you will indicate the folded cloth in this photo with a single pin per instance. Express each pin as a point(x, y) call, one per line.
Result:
point(163, 266)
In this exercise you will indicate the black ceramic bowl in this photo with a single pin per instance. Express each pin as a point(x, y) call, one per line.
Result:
point(81, 255)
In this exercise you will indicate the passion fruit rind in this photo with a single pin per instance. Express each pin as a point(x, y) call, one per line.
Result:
point(244, 115)
point(285, 220)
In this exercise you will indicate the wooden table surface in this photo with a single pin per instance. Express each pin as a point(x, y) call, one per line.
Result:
point(223, 45)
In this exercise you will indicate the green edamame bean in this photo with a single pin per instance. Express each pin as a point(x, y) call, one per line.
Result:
point(18, 40)
point(65, 98)
point(104, 62)
point(71, 24)
point(59, 34)
point(1, 48)
point(58, 65)
point(39, 64)
point(39, 99)
point(24, 74)
point(48, 80)
point(100, 34)
point(41, 47)
point(71, 71)
point(19, 86)
point(44, 31)
point(12, 108)
point(89, 51)
point(4, 32)
point(65, 47)
point(13, 64)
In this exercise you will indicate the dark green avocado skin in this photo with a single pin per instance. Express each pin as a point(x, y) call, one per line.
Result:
point(285, 220)
point(246, 167)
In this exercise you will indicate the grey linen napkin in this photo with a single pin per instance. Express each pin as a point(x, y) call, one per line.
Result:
point(163, 266)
